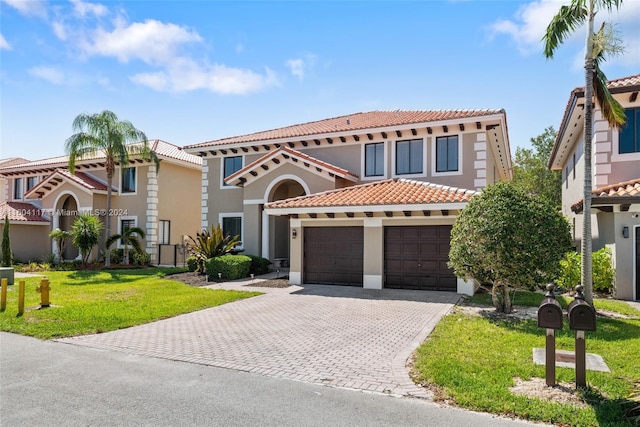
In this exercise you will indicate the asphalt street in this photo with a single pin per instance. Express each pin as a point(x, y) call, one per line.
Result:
point(55, 384)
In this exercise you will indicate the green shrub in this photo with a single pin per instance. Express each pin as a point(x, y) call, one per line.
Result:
point(192, 263)
point(140, 258)
point(603, 271)
point(259, 265)
point(117, 255)
point(230, 267)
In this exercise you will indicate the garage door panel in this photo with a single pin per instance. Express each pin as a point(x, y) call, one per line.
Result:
point(420, 260)
point(333, 255)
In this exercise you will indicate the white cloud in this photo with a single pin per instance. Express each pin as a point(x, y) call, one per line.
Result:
point(84, 8)
point(186, 75)
point(4, 44)
point(153, 42)
point(50, 74)
point(59, 30)
point(528, 26)
point(299, 66)
point(29, 7)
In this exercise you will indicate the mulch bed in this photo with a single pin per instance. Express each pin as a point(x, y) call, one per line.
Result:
point(195, 279)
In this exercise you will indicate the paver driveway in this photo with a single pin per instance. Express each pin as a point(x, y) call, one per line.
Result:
point(332, 335)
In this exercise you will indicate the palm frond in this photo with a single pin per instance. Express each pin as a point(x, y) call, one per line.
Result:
point(611, 109)
point(563, 24)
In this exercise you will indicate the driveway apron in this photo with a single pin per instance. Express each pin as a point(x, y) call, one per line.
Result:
point(332, 335)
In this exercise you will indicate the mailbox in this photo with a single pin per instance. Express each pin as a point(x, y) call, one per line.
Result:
point(582, 316)
point(550, 312)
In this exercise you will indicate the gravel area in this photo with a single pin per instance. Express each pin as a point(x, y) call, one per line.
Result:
point(195, 279)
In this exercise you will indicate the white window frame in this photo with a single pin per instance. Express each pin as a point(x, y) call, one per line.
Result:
point(222, 159)
point(13, 188)
point(125, 218)
point(234, 215)
point(132, 193)
point(363, 162)
point(615, 148)
point(424, 160)
point(434, 154)
point(26, 183)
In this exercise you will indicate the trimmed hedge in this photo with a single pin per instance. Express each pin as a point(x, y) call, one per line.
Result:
point(192, 263)
point(230, 267)
point(259, 265)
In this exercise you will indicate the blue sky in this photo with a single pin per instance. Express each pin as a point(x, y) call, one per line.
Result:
point(192, 71)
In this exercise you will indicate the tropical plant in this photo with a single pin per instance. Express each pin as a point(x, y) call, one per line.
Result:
point(228, 267)
point(7, 255)
point(130, 236)
point(60, 237)
point(530, 171)
point(603, 272)
point(507, 238)
point(210, 244)
point(598, 46)
point(85, 233)
point(105, 135)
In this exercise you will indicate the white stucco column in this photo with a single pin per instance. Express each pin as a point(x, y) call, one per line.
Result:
point(152, 214)
point(265, 235)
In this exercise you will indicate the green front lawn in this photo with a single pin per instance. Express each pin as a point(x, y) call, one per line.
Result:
point(86, 302)
point(472, 361)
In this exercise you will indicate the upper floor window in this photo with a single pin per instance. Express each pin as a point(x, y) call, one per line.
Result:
point(629, 137)
point(231, 166)
point(129, 180)
point(447, 153)
point(374, 159)
point(17, 188)
point(409, 157)
point(31, 182)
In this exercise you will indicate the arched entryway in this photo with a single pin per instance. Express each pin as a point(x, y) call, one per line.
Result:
point(66, 211)
point(286, 188)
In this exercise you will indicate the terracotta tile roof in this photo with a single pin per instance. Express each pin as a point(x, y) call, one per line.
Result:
point(380, 193)
point(12, 161)
point(352, 123)
point(81, 178)
point(614, 194)
point(21, 212)
point(288, 153)
point(161, 148)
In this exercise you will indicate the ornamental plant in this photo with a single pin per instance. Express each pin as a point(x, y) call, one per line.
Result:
point(210, 244)
point(7, 255)
point(86, 234)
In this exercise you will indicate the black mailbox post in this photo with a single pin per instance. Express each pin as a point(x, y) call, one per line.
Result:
point(582, 318)
point(550, 317)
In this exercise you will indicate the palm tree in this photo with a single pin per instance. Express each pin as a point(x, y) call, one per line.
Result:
point(85, 233)
point(104, 134)
point(129, 236)
point(598, 45)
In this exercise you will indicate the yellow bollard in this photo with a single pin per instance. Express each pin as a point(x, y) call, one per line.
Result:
point(3, 295)
point(20, 297)
point(44, 292)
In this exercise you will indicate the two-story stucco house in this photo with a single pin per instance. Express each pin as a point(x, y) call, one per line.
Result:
point(616, 180)
point(42, 195)
point(366, 199)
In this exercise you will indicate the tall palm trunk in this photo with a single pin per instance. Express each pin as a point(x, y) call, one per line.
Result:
point(107, 225)
point(587, 244)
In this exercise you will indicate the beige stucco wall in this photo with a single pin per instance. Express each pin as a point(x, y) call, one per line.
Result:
point(179, 200)
point(624, 254)
point(29, 242)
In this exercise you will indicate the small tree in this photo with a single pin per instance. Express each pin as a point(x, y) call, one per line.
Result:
point(507, 238)
point(129, 236)
point(60, 237)
point(7, 256)
point(210, 244)
point(86, 234)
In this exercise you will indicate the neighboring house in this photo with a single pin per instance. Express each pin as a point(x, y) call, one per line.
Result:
point(616, 180)
point(366, 199)
point(3, 181)
point(43, 195)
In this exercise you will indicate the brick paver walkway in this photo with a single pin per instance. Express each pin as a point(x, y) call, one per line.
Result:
point(332, 335)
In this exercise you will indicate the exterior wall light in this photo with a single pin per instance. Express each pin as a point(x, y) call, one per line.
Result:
point(625, 232)
point(294, 233)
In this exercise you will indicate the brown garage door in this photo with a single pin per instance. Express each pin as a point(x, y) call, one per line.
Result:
point(333, 255)
point(416, 258)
